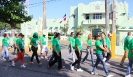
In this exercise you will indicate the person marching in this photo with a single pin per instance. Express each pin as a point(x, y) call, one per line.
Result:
point(52, 56)
point(5, 46)
point(130, 59)
point(44, 46)
point(89, 50)
point(20, 51)
point(72, 46)
point(14, 40)
point(99, 54)
point(78, 51)
point(106, 43)
point(126, 48)
point(56, 52)
point(34, 48)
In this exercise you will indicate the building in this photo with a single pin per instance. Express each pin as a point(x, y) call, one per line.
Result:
point(92, 16)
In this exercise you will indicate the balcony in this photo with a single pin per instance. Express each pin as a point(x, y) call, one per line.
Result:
point(95, 21)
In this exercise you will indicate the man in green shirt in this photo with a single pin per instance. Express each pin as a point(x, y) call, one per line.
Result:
point(106, 43)
point(130, 58)
point(56, 52)
point(126, 48)
point(78, 51)
point(14, 40)
point(20, 50)
point(72, 46)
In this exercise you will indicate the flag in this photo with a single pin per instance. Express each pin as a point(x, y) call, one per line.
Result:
point(60, 21)
point(64, 18)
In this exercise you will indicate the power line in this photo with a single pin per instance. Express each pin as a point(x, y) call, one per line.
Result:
point(41, 3)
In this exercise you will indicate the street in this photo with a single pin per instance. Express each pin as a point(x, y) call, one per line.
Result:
point(7, 70)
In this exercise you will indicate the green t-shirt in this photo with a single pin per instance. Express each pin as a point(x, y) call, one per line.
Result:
point(108, 42)
point(43, 40)
point(14, 40)
point(130, 53)
point(126, 42)
point(79, 43)
point(56, 43)
point(89, 42)
point(35, 41)
point(6, 41)
point(52, 38)
point(20, 43)
point(98, 49)
point(72, 41)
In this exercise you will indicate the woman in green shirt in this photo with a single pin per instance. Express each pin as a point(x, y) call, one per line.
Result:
point(89, 49)
point(78, 51)
point(14, 40)
point(56, 52)
point(20, 51)
point(71, 46)
point(5, 45)
point(35, 42)
point(99, 50)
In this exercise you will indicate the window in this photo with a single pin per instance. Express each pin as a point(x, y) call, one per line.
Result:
point(97, 16)
point(73, 16)
point(87, 16)
point(110, 15)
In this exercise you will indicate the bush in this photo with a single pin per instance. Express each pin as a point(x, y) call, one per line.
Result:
point(49, 37)
point(50, 34)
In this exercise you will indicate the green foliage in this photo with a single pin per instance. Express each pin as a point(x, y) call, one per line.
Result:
point(64, 29)
point(79, 29)
point(50, 34)
point(3, 25)
point(13, 12)
point(49, 37)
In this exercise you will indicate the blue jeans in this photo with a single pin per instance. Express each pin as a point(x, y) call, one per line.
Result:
point(88, 53)
point(99, 59)
point(129, 66)
point(5, 54)
point(51, 59)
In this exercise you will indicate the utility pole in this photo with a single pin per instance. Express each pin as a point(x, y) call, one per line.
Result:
point(44, 27)
point(114, 17)
point(107, 16)
point(113, 40)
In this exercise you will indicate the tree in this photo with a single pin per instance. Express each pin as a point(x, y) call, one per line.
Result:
point(79, 29)
point(13, 12)
point(64, 29)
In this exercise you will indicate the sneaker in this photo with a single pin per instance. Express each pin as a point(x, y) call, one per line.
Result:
point(23, 66)
point(72, 67)
point(46, 57)
point(80, 70)
point(104, 59)
point(128, 75)
point(110, 75)
point(40, 64)
point(93, 73)
point(13, 63)
point(31, 62)
point(121, 65)
point(107, 64)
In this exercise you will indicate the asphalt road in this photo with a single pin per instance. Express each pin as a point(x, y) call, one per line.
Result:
point(6, 70)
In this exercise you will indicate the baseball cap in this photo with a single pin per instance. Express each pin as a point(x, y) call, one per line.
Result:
point(35, 34)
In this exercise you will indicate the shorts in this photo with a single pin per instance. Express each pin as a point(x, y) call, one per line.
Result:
point(44, 48)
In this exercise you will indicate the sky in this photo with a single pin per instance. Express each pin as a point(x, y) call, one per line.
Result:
point(57, 9)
